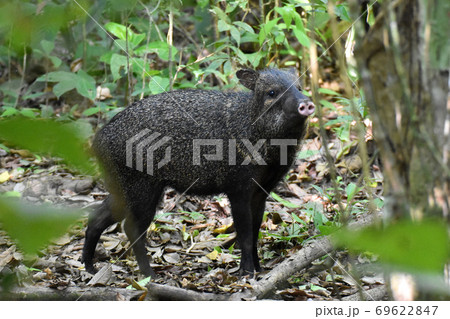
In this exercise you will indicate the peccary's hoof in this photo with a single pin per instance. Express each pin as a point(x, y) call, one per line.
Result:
point(149, 272)
point(90, 269)
point(246, 273)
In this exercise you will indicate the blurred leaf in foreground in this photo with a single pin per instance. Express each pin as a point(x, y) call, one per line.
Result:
point(33, 226)
point(406, 245)
point(48, 136)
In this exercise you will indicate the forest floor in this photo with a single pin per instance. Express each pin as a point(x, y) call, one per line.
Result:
point(191, 240)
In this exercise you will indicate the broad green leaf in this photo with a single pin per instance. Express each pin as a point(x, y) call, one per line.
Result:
point(406, 245)
point(86, 85)
point(222, 26)
point(351, 191)
point(121, 32)
point(159, 47)
point(91, 111)
point(158, 84)
point(55, 60)
point(48, 137)
point(47, 46)
point(235, 34)
point(302, 37)
point(117, 61)
point(320, 20)
point(287, 12)
point(244, 26)
point(63, 87)
point(9, 111)
point(220, 14)
point(28, 112)
point(57, 76)
point(32, 226)
point(66, 81)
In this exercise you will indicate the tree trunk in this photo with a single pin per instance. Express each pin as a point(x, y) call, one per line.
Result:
point(404, 65)
point(404, 69)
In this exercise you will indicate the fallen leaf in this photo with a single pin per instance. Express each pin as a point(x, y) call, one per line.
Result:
point(4, 176)
point(101, 277)
point(213, 255)
point(173, 258)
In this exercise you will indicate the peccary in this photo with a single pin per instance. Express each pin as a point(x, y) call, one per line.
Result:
point(200, 142)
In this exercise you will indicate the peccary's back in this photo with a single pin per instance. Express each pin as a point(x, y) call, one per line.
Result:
point(176, 119)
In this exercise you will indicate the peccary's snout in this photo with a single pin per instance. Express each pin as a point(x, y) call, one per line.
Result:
point(306, 108)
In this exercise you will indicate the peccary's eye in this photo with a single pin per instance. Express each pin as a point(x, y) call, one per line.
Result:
point(271, 93)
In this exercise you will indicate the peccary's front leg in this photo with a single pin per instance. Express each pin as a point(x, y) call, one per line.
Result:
point(258, 206)
point(242, 217)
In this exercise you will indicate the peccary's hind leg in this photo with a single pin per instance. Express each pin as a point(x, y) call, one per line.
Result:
point(99, 220)
point(142, 208)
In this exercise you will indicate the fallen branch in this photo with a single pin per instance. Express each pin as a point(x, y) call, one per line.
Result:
point(71, 294)
point(164, 292)
point(374, 294)
point(298, 261)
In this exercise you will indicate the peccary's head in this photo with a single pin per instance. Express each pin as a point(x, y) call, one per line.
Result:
point(277, 97)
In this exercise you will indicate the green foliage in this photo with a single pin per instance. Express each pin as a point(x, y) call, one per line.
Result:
point(32, 226)
point(133, 56)
point(408, 246)
point(49, 137)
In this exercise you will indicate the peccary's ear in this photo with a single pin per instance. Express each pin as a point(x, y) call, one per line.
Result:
point(248, 78)
point(292, 71)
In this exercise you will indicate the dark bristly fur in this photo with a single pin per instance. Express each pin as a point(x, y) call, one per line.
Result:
point(253, 115)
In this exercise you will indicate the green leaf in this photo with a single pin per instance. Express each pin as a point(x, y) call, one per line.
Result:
point(298, 219)
point(222, 26)
point(11, 194)
point(159, 47)
point(302, 37)
point(283, 201)
point(235, 34)
point(121, 32)
point(266, 29)
point(63, 87)
point(91, 111)
point(351, 190)
point(327, 91)
point(406, 245)
point(66, 81)
point(32, 226)
point(244, 26)
point(319, 219)
point(50, 137)
point(307, 153)
point(328, 105)
point(287, 12)
point(220, 14)
point(47, 46)
point(158, 84)
point(86, 85)
point(58, 76)
point(9, 111)
point(55, 60)
point(28, 112)
point(117, 61)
